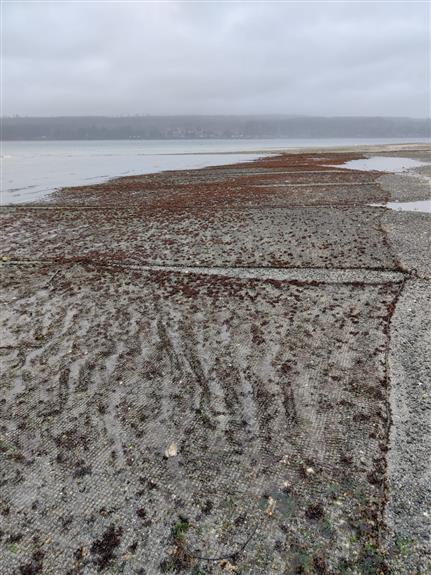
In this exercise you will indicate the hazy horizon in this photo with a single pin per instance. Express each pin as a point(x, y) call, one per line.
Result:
point(330, 59)
point(227, 115)
point(218, 126)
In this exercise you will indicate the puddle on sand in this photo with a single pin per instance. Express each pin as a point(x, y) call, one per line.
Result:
point(423, 206)
point(383, 164)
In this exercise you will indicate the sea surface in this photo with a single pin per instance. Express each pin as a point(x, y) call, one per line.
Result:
point(31, 170)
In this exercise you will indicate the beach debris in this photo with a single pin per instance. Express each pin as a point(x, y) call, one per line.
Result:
point(171, 450)
point(228, 566)
point(51, 278)
point(5, 258)
point(309, 471)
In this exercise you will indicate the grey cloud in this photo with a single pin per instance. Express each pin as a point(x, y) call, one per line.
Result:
point(328, 58)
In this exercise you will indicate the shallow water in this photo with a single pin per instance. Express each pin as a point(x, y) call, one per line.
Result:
point(423, 206)
point(31, 170)
point(384, 164)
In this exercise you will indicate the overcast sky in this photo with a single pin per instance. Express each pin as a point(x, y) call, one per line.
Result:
point(115, 58)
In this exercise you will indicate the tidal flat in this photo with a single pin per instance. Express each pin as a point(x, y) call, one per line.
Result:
point(221, 370)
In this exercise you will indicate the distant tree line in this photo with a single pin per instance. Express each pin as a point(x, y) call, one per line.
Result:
point(195, 127)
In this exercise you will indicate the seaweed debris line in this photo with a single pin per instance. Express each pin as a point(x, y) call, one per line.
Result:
point(219, 371)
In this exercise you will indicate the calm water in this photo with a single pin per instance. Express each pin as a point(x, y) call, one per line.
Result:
point(384, 164)
point(422, 206)
point(31, 170)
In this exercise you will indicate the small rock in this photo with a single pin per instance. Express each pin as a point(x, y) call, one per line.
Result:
point(271, 506)
point(171, 451)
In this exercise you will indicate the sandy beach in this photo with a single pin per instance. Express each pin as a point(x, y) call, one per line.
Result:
point(222, 370)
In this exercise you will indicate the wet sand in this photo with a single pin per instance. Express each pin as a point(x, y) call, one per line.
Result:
point(219, 371)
